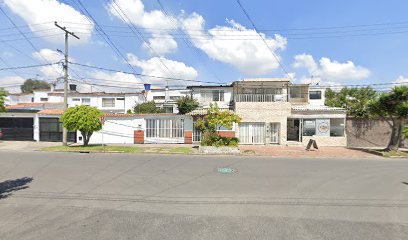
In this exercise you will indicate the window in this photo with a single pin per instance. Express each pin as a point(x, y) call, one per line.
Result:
point(120, 99)
point(44, 99)
point(76, 99)
point(164, 128)
point(314, 95)
point(32, 99)
point(108, 102)
point(337, 127)
point(168, 108)
point(218, 95)
point(86, 101)
point(309, 127)
point(174, 97)
point(159, 97)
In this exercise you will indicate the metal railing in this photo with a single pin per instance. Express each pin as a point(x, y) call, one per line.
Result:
point(260, 98)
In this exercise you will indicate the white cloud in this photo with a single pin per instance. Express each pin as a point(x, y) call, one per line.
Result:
point(235, 45)
point(134, 13)
point(155, 67)
point(50, 56)
point(13, 83)
point(328, 70)
point(37, 12)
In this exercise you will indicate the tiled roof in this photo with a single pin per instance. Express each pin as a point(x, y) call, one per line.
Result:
point(202, 111)
point(139, 115)
point(317, 108)
point(51, 111)
point(27, 105)
point(74, 94)
point(265, 80)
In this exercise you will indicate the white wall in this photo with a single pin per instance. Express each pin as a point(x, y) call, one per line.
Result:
point(317, 102)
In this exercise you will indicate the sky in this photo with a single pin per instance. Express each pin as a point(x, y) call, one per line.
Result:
point(178, 43)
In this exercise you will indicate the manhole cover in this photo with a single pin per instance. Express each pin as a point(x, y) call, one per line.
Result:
point(225, 170)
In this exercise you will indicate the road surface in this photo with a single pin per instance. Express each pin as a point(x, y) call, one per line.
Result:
point(120, 196)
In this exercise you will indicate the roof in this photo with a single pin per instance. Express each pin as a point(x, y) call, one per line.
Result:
point(139, 115)
point(202, 111)
point(73, 94)
point(265, 80)
point(31, 105)
point(51, 111)
point(20, 94)
point(317, 108)
point(209, 86)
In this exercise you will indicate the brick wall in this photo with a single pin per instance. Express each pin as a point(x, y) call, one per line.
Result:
point(139, 137)
point(228, 134)
point(188, 137)
point(368, 133)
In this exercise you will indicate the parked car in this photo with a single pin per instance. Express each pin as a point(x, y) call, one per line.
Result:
point(1, 134)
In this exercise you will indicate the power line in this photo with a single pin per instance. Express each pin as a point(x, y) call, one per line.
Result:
point(29, 66)
point(136, 31)
point(104, 36)
point(144, 75)
point(266, 44)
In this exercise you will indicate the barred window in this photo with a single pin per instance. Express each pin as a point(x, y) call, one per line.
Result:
point(164, 128)
point(108, 102)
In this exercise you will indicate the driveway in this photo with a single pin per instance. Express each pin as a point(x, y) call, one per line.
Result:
point(120, 196)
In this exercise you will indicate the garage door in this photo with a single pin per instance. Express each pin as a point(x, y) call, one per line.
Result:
point(17, 129)
point(51, 131)
point(252, 133)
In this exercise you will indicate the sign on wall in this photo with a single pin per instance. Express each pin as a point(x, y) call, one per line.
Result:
point(323, 127)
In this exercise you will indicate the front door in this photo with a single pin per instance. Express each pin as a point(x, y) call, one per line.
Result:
point(275, 129)
point(293, 129)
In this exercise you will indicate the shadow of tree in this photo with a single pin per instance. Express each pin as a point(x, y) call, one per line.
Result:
point(9, 186)
point(406, 183)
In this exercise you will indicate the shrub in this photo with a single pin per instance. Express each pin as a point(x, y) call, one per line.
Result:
point(147, 107)
point(212, 139)
point(187, 104)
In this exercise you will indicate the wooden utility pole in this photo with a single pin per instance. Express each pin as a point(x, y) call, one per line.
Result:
point(65, 131)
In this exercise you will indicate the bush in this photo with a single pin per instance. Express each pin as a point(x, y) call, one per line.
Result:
point(147, 107)
point(187, 104)
point(212, 139)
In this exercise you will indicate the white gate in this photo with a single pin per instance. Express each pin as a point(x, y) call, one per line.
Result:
point(252, 133)
point(275, 129)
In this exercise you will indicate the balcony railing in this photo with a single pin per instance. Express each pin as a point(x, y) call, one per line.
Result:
point(260, 98)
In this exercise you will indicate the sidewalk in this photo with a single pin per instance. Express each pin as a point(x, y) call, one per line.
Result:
point(299, 151)
point(25, 146)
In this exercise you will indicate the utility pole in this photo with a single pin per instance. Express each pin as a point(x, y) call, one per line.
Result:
point(65, 131)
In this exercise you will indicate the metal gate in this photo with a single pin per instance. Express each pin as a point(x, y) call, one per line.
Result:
point(51, 131)
point(17, 129)
point(252, 133)
point(275, 129)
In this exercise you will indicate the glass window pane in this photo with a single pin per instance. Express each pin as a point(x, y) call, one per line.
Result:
point(337, 127)
point(309, 127)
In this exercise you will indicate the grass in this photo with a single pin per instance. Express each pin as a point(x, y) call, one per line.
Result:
point(120, 149)
point(395, 153)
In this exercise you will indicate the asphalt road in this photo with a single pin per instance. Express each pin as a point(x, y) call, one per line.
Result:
point(117, 196)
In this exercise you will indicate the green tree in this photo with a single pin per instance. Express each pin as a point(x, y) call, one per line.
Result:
point(405, 131)
point(213, 121)
point(187, 104)
point(147, 107)
point(3, 95)
point(84, 119)
point(30, 85)
point(355, 100)
point(393, 108)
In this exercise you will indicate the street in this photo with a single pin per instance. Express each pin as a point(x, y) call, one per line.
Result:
point(142, 196)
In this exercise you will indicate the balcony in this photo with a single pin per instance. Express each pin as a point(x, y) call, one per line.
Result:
point(260, 97)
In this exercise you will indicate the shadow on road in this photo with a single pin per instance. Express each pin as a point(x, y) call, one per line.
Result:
point(406, 183)
point(9, 186)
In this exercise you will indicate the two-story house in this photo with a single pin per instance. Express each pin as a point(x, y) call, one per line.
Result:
point(274, 111)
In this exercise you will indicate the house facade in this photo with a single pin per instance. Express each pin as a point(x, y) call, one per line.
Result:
point(273, 111)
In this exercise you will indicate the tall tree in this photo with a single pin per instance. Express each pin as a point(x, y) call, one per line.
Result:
point(3, 95)
point(187, 104)
point(147, 107)
point(355, 100)
point(84, 119)
point(30, 85)
point(393, 108)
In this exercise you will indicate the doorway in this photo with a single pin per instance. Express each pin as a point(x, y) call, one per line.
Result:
point(294, 128)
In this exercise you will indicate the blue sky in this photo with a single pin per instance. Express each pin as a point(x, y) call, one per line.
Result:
point(348, 42)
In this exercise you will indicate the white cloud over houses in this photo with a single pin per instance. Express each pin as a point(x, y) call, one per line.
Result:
point(41, 14)
point(235, 45)
point(11, 83)
point(155, 67)
point(133, 11)
point(329, 71)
